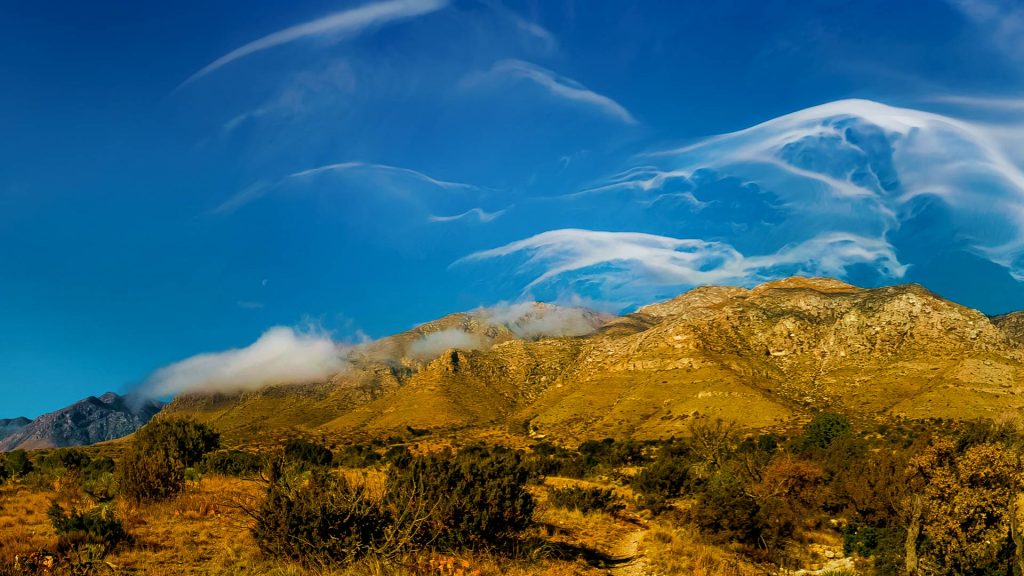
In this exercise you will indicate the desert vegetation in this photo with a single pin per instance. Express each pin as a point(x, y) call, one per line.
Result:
point(839, 497)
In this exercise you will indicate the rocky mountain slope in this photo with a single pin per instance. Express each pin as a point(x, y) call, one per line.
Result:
point(87, 421)
point(762, 357)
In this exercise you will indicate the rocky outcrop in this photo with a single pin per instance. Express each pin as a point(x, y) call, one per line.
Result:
point(87, 421)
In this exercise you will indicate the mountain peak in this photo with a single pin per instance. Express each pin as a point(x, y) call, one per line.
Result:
point(820, 284)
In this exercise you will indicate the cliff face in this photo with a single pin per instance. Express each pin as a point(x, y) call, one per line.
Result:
point(87, 421)
point(761, 357)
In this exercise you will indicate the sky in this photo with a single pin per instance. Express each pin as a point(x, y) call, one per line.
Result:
point(190, 178)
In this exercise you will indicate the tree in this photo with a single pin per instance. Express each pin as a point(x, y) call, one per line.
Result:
point(965, 505)
point(154, 464)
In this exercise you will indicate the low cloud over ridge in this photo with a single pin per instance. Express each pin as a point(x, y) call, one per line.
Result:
point(280, 356)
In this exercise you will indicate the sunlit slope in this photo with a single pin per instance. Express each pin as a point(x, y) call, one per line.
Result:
point(760, 357)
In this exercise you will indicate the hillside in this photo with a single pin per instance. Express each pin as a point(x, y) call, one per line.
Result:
point(87, 421)
point(763, 357)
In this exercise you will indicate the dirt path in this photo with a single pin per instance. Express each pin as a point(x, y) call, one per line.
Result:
point(629, 561)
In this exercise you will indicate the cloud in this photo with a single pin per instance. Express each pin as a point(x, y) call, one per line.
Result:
point(345, 23)
point(280, 356)
point(479, 214)
point(555, 84)
point(429, 346)
point(250, 305)
point(355, 166)
point(632, 266)
point(261, 189)
point(1001, 20)
point(532, 320)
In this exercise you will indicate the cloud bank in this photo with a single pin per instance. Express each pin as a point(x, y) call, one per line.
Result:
point(344, 23)
point(280, 356)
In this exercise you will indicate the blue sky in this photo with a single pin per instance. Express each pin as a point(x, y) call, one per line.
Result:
point(180, 178)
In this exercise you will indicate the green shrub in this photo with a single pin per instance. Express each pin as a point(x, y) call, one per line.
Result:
point(17, 463)
point(183, 440)
point(298, 450)
point(97, 528)
point(585, 499)
point(661, 480)
point(232, 463)
point(357, 456)
point(154, 464)
point(320, 521)
point(470, 500)
point(398, 456)
point(823, 429)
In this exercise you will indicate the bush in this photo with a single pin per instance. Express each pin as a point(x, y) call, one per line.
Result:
point(16, 463)
point(823, 429)
point(232, 463)
point(184, 440)
point(299, 450)
point(585, 499)
point(154, 464)
point(473, 499)
point(357, 456)
point(97, 528)
point(661, 480)
point(322, 521)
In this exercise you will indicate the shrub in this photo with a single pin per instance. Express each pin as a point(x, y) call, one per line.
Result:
point(97, 528)
point(299, 450)
point(725, 508)
point(823, 429)
point(473, 499)
point(585, 499)
point(154, 464)
point(16, 463)
point(357, 456)
point(661, 480)
point(322, 521)
point(183, 440)
point(147, 475)
point(398, 456)
point(232, 463)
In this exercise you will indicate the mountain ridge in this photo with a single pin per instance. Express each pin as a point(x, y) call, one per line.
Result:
point(764, 357)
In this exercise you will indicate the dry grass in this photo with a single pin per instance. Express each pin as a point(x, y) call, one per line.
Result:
point(673, 550)
point(24, 527)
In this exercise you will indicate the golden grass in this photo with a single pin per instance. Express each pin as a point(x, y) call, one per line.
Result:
point(676, 550)
point(24, 527)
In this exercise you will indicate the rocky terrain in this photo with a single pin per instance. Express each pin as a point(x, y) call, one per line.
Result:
point(87, 421)
point(764, 357)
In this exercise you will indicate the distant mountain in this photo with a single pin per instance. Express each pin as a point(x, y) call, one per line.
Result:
point(85, 422)
point(765, 357)
point(9, 426)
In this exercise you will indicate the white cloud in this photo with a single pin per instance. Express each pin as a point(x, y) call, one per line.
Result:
point(279, 356)
point(627, 265)
point(558, 86)
point(345, 23)
point(429, 346)
point(479, 214)
point(531, 320)
point(355, 166)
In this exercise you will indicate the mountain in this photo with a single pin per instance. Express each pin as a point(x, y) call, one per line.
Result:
point(85, 422)
point(763, 357)
point(9, 426)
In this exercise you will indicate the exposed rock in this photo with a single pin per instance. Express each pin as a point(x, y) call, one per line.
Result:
point(85, 422)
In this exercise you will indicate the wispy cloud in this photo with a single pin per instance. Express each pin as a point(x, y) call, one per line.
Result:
point(1001, 20)
point(558, 86)
point(261, 189)
point(345, 23)
point(631, 265)
point(351, 166)
point(478, 214)
point(280, 356)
